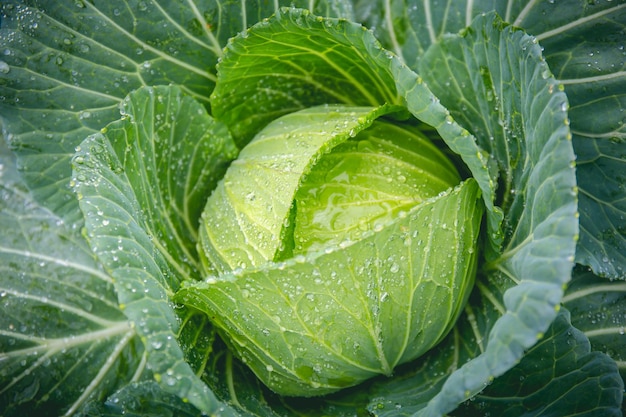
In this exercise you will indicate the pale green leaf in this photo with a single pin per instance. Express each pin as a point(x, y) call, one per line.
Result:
point(381, 173)
point(297, 60)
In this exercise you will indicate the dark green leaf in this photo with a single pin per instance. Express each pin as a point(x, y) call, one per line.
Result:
point(585, 49)
point(67, 64)
point(598, 309)
point(415, 384)
point(63, 339)
point(409, 27)
point(145, 399)
point(558, 376)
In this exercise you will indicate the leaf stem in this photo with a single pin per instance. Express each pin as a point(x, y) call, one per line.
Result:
point(577, 22)
point(429, 21)
point(230, 380)
point(111, 359)
point(392, 33)
point(585, 292)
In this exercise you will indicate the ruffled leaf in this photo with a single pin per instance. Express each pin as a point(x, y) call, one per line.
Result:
point(517, 103)
point(130, 199)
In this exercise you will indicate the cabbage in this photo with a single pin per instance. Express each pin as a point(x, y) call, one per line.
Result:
point(342, 247)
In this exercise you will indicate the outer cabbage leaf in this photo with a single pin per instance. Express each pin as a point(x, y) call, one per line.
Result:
point(410, 27)
point(585, 49)
point(63, 339)
point(558, 376)
point(516, 102)
point(127, 198)
point(598, 309)
point(145, 399)
point(298, 60)
point(68, 64)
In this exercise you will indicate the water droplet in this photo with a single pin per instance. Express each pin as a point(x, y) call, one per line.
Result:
point(4, 67)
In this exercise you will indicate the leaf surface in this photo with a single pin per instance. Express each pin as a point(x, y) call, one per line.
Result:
point(287, 320)
point(558, 376)
point(243, 223)
point(598, 309)
point(145, 399)
point(63, 338)
point(585, 50)
point(67, 65)
point(125, 193)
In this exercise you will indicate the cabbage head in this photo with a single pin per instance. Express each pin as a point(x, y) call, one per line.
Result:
point(339, 245)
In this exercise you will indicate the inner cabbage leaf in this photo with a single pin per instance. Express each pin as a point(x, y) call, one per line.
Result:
point(366, 182)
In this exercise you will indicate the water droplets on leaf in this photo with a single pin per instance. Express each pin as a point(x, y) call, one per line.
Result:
point(4, 67)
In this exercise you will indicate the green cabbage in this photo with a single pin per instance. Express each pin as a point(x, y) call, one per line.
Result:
point(341, 246)
point(120, 118)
